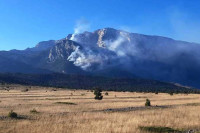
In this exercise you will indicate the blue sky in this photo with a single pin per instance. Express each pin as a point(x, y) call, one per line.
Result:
point(24, 23)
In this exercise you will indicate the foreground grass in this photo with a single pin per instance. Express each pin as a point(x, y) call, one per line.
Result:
point(87, 117)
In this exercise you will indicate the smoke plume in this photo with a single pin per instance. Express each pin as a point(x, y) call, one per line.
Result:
point(81, 26)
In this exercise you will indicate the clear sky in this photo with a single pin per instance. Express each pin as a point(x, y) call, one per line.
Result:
point(24, 23)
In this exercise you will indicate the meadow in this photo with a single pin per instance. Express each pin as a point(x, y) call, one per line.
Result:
point(55, 110)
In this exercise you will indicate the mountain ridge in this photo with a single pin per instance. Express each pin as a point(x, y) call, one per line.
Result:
point(114, 53)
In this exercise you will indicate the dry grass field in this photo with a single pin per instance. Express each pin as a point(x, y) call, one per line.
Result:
point(76, 111)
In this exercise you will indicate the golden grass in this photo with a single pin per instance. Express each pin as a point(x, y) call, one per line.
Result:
point(86, 116)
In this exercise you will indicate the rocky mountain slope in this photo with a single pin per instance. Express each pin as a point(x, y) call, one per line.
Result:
point(110, 52)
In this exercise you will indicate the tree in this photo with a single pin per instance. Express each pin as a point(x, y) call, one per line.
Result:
point(98, 95)
point(148, 102)
point(171, 93)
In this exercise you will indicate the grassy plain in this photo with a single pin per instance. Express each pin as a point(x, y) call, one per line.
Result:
point(76, 111)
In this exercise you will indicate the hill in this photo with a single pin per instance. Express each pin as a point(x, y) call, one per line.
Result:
point(89, 82)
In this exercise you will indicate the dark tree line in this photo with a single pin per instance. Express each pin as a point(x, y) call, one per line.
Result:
point(89, 82)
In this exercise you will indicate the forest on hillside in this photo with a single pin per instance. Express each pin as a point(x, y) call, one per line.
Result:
point(91, 82)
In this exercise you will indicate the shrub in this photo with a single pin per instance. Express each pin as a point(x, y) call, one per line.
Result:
point(159, 129)
point(148, 102)
point(106, 93)
point(171, 93)
point(24, 90)
point(12, 114)
point(34, 111)
point(98, 95)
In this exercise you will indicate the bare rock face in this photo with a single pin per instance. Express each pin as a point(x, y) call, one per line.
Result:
point(62, 50)
point(100, 41)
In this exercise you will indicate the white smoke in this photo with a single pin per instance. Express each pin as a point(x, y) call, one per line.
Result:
point(86, 58)
point(122, 46)
point(114, 50)
point(124, 49)
point(114, 46)
point(81, 26)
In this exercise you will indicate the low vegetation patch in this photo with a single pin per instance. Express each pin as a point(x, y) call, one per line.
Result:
point(24, 90)
point(34, 111)
point(68, 103)
point(159, 129)
point(53, 89)
point(192, 104)
point(83, 94)
point(12, 114)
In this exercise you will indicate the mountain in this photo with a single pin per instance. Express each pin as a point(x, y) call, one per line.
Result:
point(110, 53)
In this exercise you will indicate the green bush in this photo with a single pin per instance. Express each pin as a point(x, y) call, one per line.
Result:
point(12, 114)
point(106, 93)
point(148, 102)
point(98, 95)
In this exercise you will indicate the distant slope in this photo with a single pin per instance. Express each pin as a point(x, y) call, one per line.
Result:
point(89, 82)
point(13, 66)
